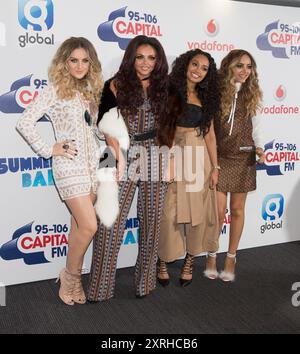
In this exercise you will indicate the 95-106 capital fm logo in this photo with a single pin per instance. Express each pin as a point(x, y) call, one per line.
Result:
point(281, 39)
point(281, 158)
point(36, 16)
point(272, 211)
point(36, 243)
point(21, 93)
point(124, 24)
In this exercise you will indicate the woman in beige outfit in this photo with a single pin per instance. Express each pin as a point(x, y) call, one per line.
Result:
point(189, 223)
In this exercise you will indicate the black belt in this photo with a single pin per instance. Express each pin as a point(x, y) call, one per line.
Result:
point(151, 134)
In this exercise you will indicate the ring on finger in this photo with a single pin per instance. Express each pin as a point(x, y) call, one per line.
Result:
point(66, 147)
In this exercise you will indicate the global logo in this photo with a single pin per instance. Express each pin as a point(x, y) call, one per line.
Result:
point(212, 28)
point(272, 207)
point(281, 157)
point(280, 93)
point(124, 24)
point(281, 39)
point(21, 93)
point(35, 15)
point(36, 243)
point(272, 211)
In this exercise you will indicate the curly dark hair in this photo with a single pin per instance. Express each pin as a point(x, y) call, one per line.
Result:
point(207, 90)
point(129, 87)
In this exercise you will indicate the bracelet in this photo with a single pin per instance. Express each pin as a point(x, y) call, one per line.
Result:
point(216, 167)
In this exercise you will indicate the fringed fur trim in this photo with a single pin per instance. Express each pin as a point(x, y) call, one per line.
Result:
point(113, 124)
point(107, 204)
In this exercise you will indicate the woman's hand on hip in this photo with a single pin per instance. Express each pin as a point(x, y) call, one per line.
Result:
point(65, 148)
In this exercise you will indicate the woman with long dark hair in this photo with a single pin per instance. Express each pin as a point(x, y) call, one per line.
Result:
point(139, 91)
point(189, 222)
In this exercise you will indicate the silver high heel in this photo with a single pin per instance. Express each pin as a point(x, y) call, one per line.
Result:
point(228, 276)
point(211, 273)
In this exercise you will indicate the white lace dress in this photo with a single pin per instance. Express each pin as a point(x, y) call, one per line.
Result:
point(75, 177)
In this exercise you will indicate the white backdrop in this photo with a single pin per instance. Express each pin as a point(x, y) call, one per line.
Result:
point(34, 222)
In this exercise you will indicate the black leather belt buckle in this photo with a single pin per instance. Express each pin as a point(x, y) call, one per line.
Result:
point(144, 136)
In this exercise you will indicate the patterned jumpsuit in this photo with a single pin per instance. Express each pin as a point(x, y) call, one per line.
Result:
point(107, 242)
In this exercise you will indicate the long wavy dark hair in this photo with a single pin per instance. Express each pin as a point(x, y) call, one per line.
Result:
point(207, 92)
point(129, 87)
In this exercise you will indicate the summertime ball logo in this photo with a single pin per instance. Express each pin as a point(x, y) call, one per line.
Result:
point(36, 17)
point(35, 171)
point(282, 39)
point(124, 24)
point(131, 231)
point(211, 29)
point(36, 243)
point(272, 211)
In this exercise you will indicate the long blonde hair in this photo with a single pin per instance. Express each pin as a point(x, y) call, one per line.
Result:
point(66, 85)
point(250, 91)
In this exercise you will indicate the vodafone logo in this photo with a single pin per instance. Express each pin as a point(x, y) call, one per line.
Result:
point(280, 93)
point(212, 28)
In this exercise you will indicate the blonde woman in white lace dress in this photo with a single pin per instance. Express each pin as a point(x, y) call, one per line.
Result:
point(70, 101)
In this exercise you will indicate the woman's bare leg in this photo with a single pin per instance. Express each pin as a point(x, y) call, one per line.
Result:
point(237, 213)
point(83, 228)
point(211, 263)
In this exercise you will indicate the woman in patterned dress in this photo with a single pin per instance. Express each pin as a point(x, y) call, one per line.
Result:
point(70, 101)
point(139, 90)
point(239, 141)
